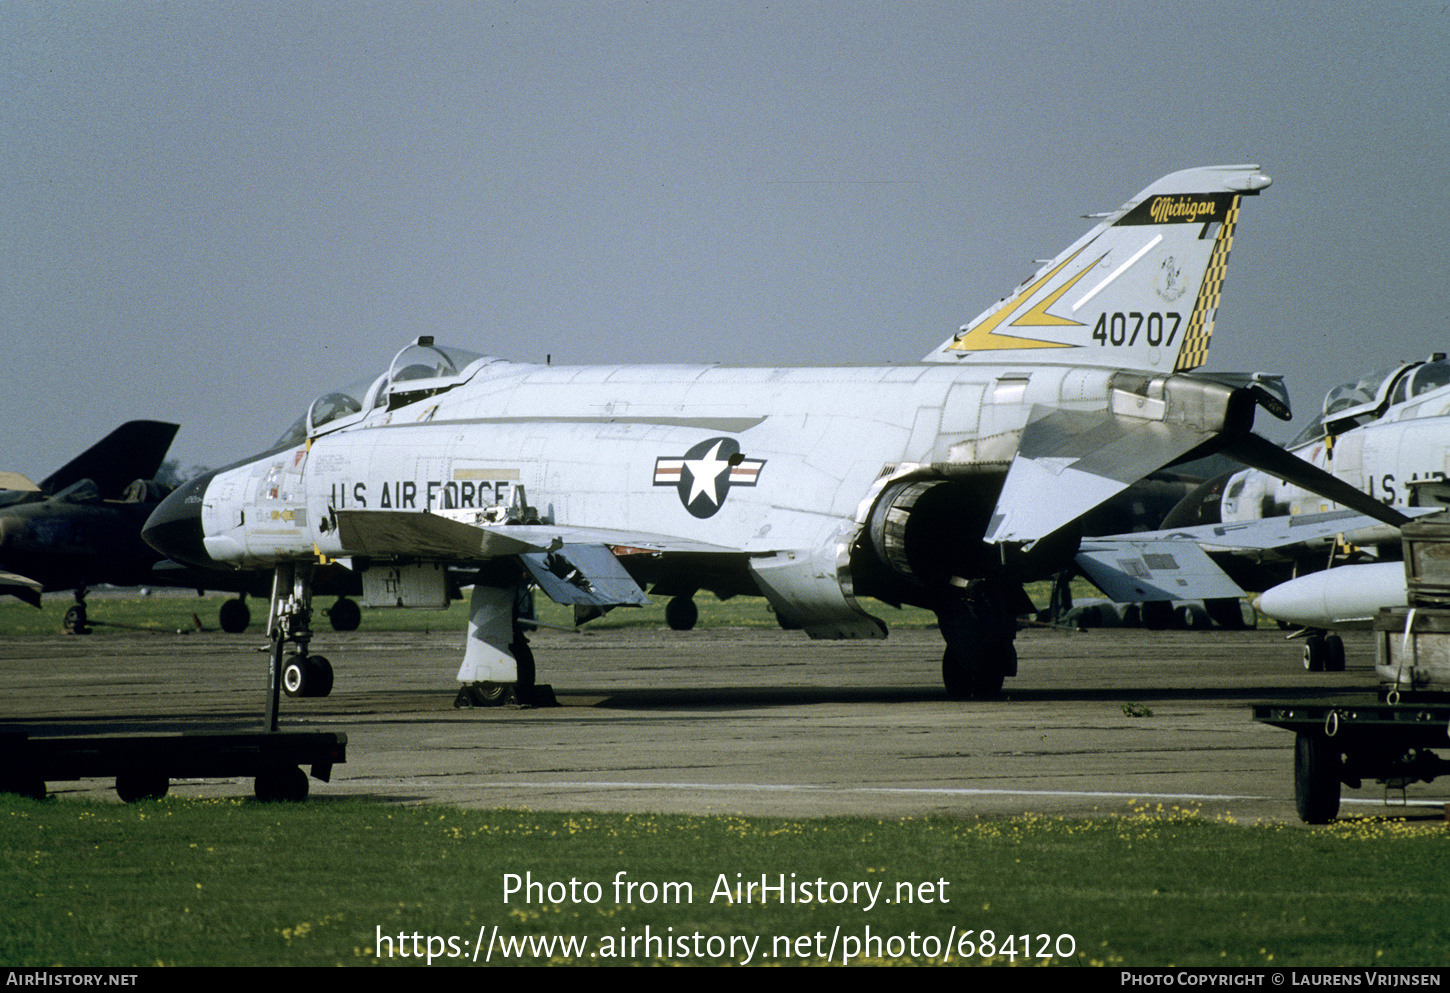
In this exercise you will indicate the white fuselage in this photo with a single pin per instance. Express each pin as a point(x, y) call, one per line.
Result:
point(586, 444)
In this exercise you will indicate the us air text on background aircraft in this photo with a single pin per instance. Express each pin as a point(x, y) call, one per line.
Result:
point(946, 483)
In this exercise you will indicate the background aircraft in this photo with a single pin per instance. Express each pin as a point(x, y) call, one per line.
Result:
point(945, 484)
point(1386, 434)
point(81, 527)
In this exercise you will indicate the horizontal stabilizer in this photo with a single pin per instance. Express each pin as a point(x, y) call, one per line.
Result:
point(1259, 453)
point(434, 537)
point(1268, 532)
point(1139, 571)
point(1068, 462)
point(584, 574)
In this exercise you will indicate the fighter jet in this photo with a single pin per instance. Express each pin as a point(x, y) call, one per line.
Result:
point(945, 483)
point(81, 527)
point(1386, 434)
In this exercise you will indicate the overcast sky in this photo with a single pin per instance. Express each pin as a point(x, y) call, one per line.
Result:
point(211, 212)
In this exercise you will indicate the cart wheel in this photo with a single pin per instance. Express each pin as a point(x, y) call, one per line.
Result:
point(283, 783)
point(1316, 778)
point(133, 786)
point(1334, 646)
point(22, 784)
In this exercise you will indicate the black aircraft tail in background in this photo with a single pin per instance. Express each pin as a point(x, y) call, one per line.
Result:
point(135, 450)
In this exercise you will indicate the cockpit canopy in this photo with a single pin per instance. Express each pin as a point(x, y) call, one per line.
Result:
point(1370, 397)
point(1421, 379)
point(422, 369)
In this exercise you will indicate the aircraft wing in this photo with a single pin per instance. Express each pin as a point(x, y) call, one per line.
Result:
point(413, 534)
point(22, 587)
point(1135, 571)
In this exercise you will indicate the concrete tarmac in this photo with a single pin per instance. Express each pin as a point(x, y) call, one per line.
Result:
point(759, 722)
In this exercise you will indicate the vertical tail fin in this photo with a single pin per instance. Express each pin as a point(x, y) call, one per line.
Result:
point(1140, 290)
point(135, 450)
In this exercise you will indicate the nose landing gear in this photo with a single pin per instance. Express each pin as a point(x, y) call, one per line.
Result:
point(289, 621)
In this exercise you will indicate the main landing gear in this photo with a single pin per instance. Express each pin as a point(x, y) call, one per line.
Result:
point(498, 664)
point(1323, 652)
point(75, 617)
point(979, 627)
point(496, 694)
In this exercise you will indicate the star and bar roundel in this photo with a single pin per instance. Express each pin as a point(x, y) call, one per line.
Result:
point(704, 475)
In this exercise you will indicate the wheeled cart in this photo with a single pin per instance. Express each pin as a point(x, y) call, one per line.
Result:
point(1344, 742)
point(144, 765)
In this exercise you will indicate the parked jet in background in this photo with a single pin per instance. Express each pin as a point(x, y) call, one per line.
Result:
point(945, 484)
point(82, 524)
point(134, 450)
point(1387, 434)
point(81, 527)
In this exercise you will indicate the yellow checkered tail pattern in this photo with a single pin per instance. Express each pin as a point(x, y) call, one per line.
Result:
point(1200, 323)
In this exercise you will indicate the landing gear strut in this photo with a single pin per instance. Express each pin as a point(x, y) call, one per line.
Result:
point(75, 617)
point(979, 629)
point(498, 664)
point(298, 674)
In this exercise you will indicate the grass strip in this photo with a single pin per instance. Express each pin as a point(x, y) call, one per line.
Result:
point(236, 882)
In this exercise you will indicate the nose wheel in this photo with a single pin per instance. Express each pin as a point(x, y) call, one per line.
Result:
point(306, 675)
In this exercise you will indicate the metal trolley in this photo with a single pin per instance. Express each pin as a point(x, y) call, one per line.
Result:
point(1348, 741)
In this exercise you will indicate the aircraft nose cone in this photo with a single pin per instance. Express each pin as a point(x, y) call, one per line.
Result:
point(174, 527)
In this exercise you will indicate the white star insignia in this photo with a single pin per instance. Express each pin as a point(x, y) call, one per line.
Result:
point(704, 472)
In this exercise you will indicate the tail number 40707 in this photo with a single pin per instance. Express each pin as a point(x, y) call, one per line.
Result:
point(1123, 329)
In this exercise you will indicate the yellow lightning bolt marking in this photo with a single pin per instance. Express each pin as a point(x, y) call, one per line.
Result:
point(1038, 317)
point(982, 337)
